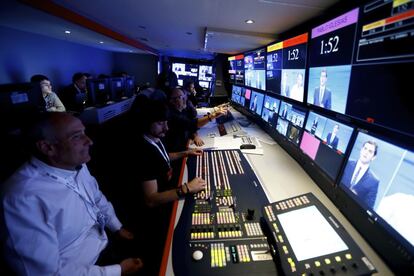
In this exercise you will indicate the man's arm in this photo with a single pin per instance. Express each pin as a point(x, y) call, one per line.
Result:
point(32, 244)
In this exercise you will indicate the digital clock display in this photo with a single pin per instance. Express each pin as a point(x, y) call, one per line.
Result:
point(330, 58)
point(286, 63)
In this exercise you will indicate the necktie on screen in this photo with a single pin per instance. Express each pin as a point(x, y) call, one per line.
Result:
point(354, 179)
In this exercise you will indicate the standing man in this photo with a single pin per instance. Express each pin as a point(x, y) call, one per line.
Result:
point(322, 95)
point(359, 177)
point(332, 139)
point(53, 212)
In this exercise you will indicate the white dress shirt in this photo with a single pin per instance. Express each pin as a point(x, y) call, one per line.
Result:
point(50, 221)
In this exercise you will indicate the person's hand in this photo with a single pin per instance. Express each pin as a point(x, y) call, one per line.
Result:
point(194, 151)
point(198, 141)
point(125, 234)
point(196, 185)
point(220, 112)
point(130, 265)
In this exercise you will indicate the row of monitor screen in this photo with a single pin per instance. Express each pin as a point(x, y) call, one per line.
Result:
point(100, 91)
point(342, 64)
point(202, 73)
point(378, 174)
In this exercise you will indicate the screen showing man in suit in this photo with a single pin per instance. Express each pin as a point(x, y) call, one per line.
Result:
point(359, 177)
point(322, 95)
point(332, 138)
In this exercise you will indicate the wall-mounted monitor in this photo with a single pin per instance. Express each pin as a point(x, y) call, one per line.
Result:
point(325, 141)
point(256, 102)
point(330, 58)
point(379, 176)
point(383, 65)
point(286, 67)
point(236, 69)
point(247, 95)
point(236, 95)
point(270, 110)
point(254, 69)
point(185, 72)
point(291, 120)
point(205, 73)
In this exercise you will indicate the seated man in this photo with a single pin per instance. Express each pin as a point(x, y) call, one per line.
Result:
point(52, 101)
point(74, 96)
point(53, 212)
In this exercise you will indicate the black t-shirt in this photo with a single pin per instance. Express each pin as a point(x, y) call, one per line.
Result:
point(153, 165)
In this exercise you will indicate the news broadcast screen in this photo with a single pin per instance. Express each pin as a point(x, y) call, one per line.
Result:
point(325, 141)
point(254, 69)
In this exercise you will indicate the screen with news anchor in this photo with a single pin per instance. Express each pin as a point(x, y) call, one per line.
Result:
point(325, 141)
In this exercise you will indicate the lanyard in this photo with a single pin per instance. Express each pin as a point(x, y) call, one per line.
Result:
point(95, 213)
point(161, 150)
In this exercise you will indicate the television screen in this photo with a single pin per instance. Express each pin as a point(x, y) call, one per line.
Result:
point(286, 66)
point(236, 70)
point(383, 63)
point(205, 73)
point(326, 141)
point(247, 94)
point(254, 69)
point(290, 121)
point(236, 94)
point(204, 84)
point(98, 91)
point(270, 110)
point(256, 102)
point(274, 67)
point(379, 176)
point(330, 59)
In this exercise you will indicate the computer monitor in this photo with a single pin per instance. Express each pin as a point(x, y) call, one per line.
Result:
point(256, 102)
point(129, 87)
point(98, 91)
point(270, 110)
point(290, 121)
point(326, 141)
point(379, 176)
point(254, 69)
point(17, 104)
point(117, 88)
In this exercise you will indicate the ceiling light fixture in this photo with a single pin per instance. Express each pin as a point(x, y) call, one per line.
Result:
point(249, 21)
point(189, 33)
point(67, 32)
point(101, 42)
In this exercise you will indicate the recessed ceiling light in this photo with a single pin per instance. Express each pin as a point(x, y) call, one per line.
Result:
point(189, 33)
point(67, 32)
point(249, 21)
point(130, 51)
point(101, 42)
point(142, 27)
point(143, 39)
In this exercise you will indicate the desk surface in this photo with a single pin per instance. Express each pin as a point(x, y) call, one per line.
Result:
point(281, 177)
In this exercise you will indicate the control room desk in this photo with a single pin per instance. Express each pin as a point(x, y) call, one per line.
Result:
point(281, 177)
